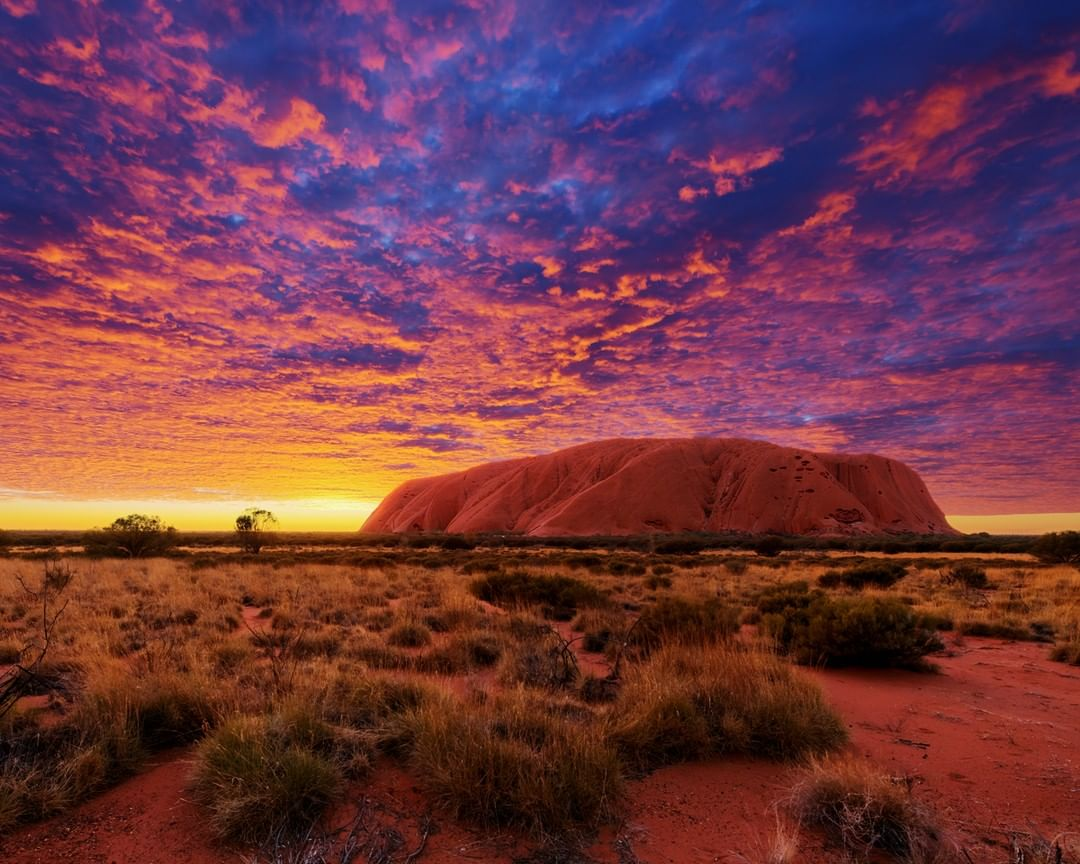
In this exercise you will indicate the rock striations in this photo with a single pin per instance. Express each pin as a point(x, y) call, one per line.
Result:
point(638, 486)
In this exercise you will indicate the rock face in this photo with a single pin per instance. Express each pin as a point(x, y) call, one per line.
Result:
point(638, 486)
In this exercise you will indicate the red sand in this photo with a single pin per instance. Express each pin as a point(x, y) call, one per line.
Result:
point(993, 742)
point(628, 486)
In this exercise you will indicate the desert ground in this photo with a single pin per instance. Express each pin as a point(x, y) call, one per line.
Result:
point(542, 705)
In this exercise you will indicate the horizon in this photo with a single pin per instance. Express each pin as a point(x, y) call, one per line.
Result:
point(338, 517)
point(297, 256)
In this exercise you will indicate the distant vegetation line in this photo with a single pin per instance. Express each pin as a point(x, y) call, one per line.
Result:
point(682, 543)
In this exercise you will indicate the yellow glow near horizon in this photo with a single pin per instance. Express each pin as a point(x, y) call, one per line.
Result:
point(1017, 523)
point(306, 514)
point(338, 514)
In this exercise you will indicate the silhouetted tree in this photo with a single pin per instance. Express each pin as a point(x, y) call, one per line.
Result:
point(1058, 547)
point(252, 529)
point(133, 536)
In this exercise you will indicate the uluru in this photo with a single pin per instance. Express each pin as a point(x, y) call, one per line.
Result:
point(637, 486)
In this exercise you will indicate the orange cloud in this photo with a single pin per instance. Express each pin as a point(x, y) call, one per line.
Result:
point(303, 120)
point(689, 193)
point(732, 171)
point(945, 135)
point(19, 8)
point(831, 209)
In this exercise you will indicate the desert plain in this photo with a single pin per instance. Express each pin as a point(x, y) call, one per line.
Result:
point(458, 698)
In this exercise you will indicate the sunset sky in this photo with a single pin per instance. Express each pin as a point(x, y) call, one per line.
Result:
point(292, 254)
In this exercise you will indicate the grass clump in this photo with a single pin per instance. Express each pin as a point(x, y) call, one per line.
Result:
point(513, 762)
point(46, 770)
point(856, 631)
point(409, 634)
point(682, 621)
point(371, 701)
point(267, 777)
point(966, 575)
point(866, 812)
point(559, 594)
point(876, 574)
point(692, 702)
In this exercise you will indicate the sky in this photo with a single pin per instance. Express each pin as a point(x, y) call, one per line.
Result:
point(292, 254)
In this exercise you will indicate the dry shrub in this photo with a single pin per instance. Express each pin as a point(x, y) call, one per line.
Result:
point(966, 575)
point(1067, 653)
point(1030, 847)
point(546, 661)
point(600, 628)
point(866, 812)
point(691, 702)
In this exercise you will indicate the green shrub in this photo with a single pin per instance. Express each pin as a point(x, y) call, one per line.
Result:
point(857, 631)
point(262, 777)
point(878, 574)
point(785, 596)
point(518, 588)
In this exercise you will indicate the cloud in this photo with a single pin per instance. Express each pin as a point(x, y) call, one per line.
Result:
point(276, 248)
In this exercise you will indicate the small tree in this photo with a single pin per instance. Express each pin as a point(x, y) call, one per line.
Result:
point(1059, 547)
point(252, 529)
point(133, 536)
